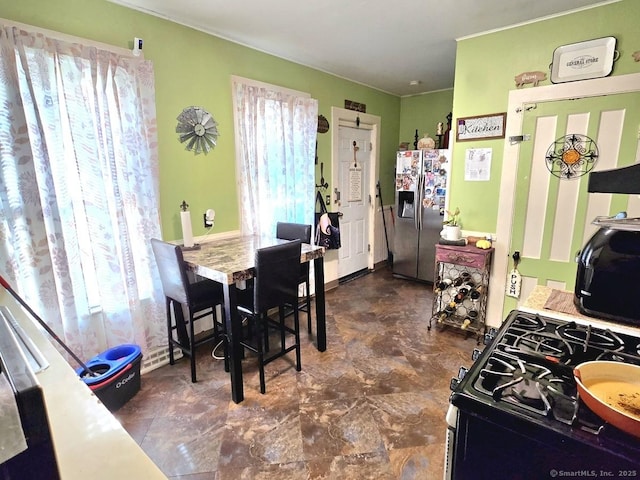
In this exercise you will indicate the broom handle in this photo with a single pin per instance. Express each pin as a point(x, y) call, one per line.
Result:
point(6, 285)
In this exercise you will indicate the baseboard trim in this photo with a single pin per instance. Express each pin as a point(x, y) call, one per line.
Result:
point(354, 275)
point(381, 265)
point(331, 285)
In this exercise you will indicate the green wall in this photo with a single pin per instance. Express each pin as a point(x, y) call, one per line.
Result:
point(193, 68)
point(485, 71)
point(423, 113)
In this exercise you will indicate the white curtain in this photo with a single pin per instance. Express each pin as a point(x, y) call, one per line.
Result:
point(276, 138)
point(79, 190)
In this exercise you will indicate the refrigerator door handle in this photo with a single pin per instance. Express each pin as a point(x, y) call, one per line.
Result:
point(419, 202)
point(416, 195)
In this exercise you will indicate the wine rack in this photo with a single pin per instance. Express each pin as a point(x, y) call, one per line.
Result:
point(461, 287)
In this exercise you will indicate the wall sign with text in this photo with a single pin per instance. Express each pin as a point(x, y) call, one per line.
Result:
point(481, 127)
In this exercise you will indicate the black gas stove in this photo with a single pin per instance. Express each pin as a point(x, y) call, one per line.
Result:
point(517, 414)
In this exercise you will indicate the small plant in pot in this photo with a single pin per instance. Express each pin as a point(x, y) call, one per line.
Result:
point(451, 230)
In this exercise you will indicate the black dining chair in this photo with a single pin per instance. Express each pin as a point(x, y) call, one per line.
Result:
point(302, 232)
point(275, 285)
point(199, 297)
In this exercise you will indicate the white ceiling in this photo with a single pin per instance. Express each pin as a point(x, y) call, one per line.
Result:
point(379, 43)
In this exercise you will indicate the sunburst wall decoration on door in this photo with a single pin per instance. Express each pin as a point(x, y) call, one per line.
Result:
point(572, 156)
point(197, 127)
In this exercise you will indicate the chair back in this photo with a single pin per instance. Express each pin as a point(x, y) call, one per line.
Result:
point(173, 274)
point(296, 231)
point(277, 275)
point(293, 231)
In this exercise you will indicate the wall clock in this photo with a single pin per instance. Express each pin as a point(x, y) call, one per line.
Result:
point(197, 127)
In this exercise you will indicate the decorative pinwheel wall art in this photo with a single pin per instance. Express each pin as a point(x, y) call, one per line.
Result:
point(197, 127)
point(572, 156)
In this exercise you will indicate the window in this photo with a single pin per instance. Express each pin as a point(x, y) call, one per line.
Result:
point(79, 188)
point(275, 149)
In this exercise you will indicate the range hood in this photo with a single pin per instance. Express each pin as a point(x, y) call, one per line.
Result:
point(617, 180)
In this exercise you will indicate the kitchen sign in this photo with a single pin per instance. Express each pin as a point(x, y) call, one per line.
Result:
point(355, 106)
point(481, 127)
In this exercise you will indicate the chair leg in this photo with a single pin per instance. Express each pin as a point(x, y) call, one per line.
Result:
point(192, 349)
point(223, 334)
point(296, 328)
point(168, 304)
point(266, 334)
point(225, 350)
point(282, 331)
point(262, 330)
point(308, 292)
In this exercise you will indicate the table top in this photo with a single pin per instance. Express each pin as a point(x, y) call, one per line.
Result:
point(231, 260)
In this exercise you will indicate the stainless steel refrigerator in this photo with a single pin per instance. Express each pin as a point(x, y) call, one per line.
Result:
point(421, 189)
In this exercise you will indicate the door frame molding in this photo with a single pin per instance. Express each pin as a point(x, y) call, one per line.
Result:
point(506, 201)
point(349, 118)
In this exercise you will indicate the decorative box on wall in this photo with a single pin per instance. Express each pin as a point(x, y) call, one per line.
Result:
point(461, 287)
point(584, 60)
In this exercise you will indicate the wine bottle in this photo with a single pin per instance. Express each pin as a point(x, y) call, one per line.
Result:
point(447, 312)
point(466, 287)
point(443, 284)
point(462, 278)
point(460, 296)
point(476, 292)
point(469, 319)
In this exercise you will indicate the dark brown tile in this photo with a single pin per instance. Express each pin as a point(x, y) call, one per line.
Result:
point(338, 427)
point(182, 445)
point(370, 407)
point(266, 471)
point(418, 463)
point(258, 436)
point(329, 381)
point(406, 419)
point(364, 466)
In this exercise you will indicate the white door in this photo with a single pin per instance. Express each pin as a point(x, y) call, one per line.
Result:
point(559, 210)
point(555, 212)
point(353, 186)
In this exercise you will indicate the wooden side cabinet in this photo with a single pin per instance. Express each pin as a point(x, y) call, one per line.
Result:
point(461, 287)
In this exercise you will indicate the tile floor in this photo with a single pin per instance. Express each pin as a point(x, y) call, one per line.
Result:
point(371, 407)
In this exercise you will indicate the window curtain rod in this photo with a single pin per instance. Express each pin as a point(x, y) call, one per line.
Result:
point(71, 38)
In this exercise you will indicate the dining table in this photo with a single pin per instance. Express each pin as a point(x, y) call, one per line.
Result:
point(231, 262)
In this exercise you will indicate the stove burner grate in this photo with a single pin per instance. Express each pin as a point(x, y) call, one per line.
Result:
point(588, 337)
point(531, 323)
point(617, 356)
point(539, 344)
point(530, 385)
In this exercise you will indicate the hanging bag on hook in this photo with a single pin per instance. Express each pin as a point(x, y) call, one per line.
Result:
point(327, 226)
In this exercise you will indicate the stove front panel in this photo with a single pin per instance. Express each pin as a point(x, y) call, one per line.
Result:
point(494, 449)
point(519, 404)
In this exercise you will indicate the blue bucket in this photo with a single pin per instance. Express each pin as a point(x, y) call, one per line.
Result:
point(116, 376)
point(109, 363)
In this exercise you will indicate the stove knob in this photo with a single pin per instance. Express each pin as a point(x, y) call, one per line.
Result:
point(453, 384)
point(476, 354)
point(490, 335)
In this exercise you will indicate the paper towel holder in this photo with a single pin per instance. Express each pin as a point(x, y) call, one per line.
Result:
point(186, 228)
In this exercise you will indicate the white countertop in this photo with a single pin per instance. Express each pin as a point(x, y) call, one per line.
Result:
point(89, 442)
point(536, 301)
